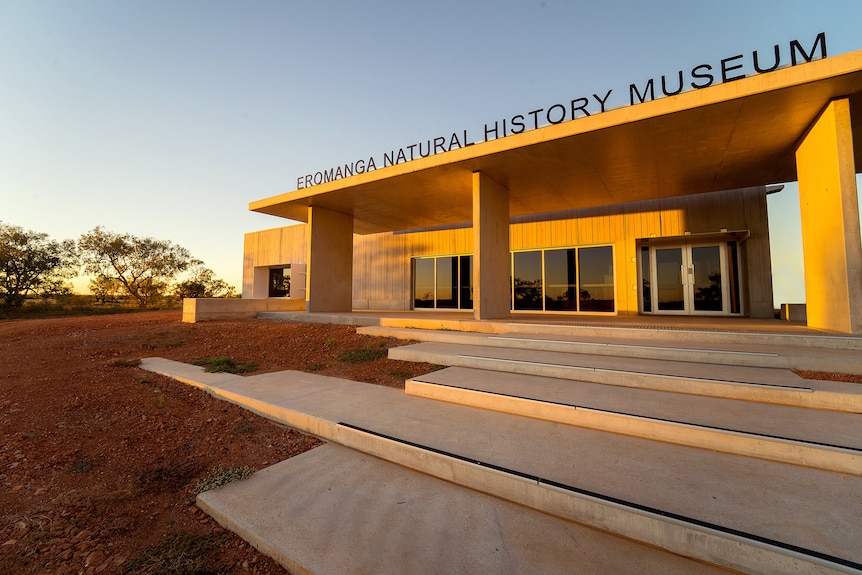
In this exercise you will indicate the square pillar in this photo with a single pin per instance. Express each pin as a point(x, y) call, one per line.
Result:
point(831, 245)
point(329, 271)
point(491, 260)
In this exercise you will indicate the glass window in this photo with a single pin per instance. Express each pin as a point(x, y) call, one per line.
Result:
point(423, 282)
point(708, 289)
point(566, 279)
point(733, 279)
point(646, 295)
point(447, 282)
point(561, 285)
point(279, 282)
point(466, 283)
point(527, 273)
point(596, 278)
point(668, 266)
point(443, 282)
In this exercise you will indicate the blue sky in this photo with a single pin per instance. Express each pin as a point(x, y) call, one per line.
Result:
point(165, 118)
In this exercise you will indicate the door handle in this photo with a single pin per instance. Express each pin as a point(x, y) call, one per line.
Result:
point(686, 274)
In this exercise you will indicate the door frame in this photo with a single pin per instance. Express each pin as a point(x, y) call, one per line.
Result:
point(686, 277)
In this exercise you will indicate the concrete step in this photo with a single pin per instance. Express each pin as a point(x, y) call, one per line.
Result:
point(811, 438)
point(767, 385)
point(741, 513)
point(335, 510)
point(656, 329)
point(752, 350)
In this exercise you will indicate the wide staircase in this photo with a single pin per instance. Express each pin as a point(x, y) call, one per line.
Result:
point(720, 393)
point(550, 450)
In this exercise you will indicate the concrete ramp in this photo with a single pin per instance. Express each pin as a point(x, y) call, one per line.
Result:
point(335, 510)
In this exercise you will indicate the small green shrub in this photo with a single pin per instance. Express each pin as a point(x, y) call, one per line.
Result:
point(167, 476)
point(361, 355)
point(220, 476)
point(244, 427)
point(123, 362)
point(179, 553)
point(224, 365)
point(82, 465)
point(330, 342)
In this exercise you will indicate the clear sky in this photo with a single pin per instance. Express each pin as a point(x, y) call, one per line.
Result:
point(164, 118)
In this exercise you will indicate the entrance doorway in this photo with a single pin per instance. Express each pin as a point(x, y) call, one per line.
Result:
point(697, 279)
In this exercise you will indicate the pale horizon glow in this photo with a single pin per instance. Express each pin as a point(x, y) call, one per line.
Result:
point(165, 119)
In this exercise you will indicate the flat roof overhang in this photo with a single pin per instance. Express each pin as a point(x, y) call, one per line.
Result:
point(732, 135)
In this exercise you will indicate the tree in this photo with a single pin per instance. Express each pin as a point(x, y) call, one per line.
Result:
point(105, 289)
point(30, 263)
point(143, 266)
point(202, 283)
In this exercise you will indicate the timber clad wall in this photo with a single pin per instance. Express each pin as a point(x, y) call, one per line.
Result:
point(382, 262)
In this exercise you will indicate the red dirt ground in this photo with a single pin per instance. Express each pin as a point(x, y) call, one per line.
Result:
point(98, 460)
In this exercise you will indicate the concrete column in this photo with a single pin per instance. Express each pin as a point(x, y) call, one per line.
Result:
point(832, 249)
point(491, 260)
point(330, 261)
point(758, 258)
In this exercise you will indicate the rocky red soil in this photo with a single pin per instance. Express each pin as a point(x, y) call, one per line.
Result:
point(100, 458)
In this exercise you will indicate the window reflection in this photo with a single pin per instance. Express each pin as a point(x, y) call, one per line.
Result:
point(423, 282)
point(527, 271)
point(596, 278)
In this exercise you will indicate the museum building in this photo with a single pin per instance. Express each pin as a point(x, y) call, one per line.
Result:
point(654, 208)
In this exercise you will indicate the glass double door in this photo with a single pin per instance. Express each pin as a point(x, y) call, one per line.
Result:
point(689, 279)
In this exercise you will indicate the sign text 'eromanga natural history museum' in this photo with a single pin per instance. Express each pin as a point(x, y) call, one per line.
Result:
point(645, 200)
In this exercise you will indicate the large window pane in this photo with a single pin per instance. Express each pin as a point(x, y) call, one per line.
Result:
point(668, 266)
point(423, 283)
point(447, 282)
point(527, 272)
point(707, 278)
point(646, 291)
point(466, 283)
point(596, 278)
point(561, 285)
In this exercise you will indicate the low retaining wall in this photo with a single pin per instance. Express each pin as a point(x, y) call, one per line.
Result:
point(208, 309)
point(794, 312)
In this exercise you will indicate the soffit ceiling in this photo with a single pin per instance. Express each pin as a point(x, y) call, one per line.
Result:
point(739, 134)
